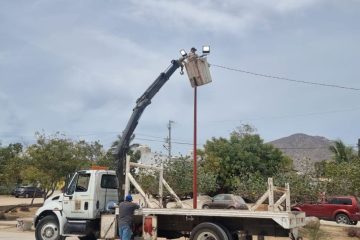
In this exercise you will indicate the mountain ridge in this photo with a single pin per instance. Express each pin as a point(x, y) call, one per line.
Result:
point(304, 148)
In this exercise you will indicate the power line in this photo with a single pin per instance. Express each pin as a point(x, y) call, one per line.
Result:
point(302, 148)
point(286, 116)
point(286, 79)
point(154, 140)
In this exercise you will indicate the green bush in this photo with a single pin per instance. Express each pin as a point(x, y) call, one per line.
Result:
point(5, 190)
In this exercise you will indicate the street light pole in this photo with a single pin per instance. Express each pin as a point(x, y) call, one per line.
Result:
point(195, 157)
point(197, 69)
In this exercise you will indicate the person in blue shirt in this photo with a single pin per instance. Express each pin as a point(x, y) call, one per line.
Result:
point(126, 217)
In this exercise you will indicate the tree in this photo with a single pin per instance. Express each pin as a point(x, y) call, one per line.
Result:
point(342, 178)
point(89, 153)
point(109, 159)
point(341, 152)
point(243, 154)
point(303, 187)
point(53, 158)
point(251, 187)
point(149, 181)
point(179, 175)
point(11, 162)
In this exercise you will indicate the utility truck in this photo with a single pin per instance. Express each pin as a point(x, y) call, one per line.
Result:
point(85, 209)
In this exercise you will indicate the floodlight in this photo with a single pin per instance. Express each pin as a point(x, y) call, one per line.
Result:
point(206, 49)
point(183, 53)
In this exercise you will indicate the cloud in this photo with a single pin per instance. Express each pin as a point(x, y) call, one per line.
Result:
point(232, 16)
point(79, 66)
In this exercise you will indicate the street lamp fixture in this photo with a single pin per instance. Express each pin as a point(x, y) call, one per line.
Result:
point(183, 53)
point(206, 49)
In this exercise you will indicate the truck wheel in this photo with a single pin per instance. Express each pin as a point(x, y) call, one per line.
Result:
point(205, 207)
point(208, 231)
point(230, 237)
point(342, 218)
point(48, 229)
point(353, 222)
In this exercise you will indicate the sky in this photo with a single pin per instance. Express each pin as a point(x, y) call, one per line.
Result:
point(78, 67)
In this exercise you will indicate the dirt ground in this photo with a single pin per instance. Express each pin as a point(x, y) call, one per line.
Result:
point(11, 233)
point(6, 200)
point(336, 233)
point(332, 232)
point(21, 212)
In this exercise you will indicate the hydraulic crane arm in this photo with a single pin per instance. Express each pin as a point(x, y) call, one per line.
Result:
point(141, 104)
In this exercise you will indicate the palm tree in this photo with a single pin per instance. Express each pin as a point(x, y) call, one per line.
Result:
point(342, 153)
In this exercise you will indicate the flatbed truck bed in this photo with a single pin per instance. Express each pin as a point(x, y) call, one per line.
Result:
point(177, 222)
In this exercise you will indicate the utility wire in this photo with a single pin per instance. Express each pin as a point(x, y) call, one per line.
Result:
point(155, 140)
point(285, 116)
point(285, 79)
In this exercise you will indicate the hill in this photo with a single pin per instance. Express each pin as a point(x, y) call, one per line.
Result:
point(304, 149)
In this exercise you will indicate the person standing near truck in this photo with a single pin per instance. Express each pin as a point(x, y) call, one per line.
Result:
point(126, 217)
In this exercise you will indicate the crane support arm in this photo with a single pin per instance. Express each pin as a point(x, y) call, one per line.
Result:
point(141, 104)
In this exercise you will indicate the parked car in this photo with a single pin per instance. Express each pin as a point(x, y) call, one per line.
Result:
point(226, 201)
point(342, 209)
point(27, 191)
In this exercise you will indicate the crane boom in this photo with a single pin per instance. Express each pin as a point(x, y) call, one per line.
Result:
point(140, 106)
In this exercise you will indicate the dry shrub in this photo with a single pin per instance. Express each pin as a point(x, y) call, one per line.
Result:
point(353, 232)
point(24, 209)
point(313, 232)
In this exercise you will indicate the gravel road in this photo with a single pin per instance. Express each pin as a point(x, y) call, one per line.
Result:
point(11, 233)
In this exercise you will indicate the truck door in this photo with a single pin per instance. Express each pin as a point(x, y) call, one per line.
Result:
point(106, 190)
point(77, 197)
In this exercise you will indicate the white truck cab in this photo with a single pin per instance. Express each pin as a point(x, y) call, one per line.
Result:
point(77, 211)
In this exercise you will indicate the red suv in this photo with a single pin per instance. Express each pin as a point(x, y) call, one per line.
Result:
point(342, 209)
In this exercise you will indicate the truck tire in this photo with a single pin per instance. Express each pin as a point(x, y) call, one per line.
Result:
point(48, 229)
point(230, 237)
point(342, 218)
point(208, 231)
